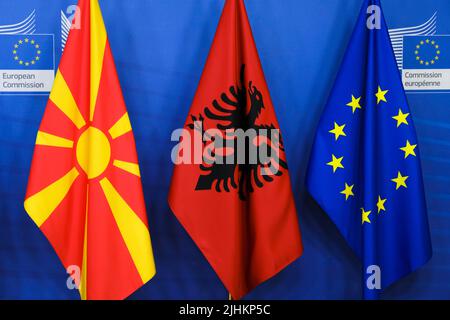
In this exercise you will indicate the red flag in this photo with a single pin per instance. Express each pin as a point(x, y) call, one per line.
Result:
point(240, 213)
point(84, 190)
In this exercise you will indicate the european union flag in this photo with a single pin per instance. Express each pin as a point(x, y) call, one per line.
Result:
point(26, 52)
point(365, 168)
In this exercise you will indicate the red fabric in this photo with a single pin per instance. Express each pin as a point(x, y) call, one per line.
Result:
point(245, 241)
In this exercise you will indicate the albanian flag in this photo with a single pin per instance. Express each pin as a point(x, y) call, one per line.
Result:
point(235, 204)
point(84, 190)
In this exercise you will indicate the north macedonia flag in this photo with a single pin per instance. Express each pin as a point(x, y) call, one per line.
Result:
point(84, 190)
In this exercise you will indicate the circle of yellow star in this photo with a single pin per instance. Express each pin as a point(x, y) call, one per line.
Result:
point(336, 163)
point(348, 191)
point(338, 131)
point(400, 181)
point(26, 42)
point(381, 95)
point(365, 215)
point(380, 204)
point(354, 104)
point(409, 149)
point(401, 118)
point(427, 42)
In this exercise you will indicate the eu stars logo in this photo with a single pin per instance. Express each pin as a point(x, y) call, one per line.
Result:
point(395, 181)
point(427, 52)
point(26, 52)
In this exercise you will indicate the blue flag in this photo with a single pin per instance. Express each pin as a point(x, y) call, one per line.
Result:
point(365, 168)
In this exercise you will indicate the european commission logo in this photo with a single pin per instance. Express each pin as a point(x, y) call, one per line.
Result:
point(426, 63)
point(26, 59)
point(422, 57)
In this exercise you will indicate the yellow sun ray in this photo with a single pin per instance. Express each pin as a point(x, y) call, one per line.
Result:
point(83, 280)
point(134, 232)
point(50, 140)
point(42, 204)
point(62, 97)
point(121, 127)
point(98, 43)
point(129, 167)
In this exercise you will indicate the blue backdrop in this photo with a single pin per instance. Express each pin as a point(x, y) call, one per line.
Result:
point(160, 47)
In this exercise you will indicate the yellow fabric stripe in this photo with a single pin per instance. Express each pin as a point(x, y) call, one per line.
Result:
point(62, 97)
point(83, 280)
point(50, 140)
point(42, 204)
point(121, 127)
point(129, 167)
point(98, 43)
point(134, 232)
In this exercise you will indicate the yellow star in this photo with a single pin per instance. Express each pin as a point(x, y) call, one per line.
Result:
point(14, 51)
point(21, 62)
point(336, 163)
point(32, 62)
point(409, 149)
point(338, 131)
point(400, 181)
point(348, 191)
point(380, 204)
point(381, 95)
point(428, 41)
point(32, 41)
point(16, 46)
point(365, 215)
point(27, 63)
point(354, 103)
point(36, 46)
point(37, 58)
point(421, 42)
point(421, 61)
point(401, 118)
point(26, 40)
point(20, 41)
point(16, 58)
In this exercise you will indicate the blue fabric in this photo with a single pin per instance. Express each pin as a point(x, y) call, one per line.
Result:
point(384, 221)
point(160, 48)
